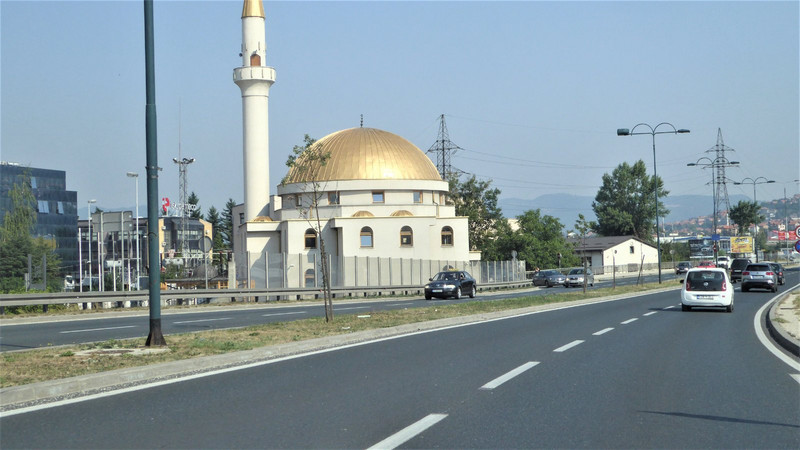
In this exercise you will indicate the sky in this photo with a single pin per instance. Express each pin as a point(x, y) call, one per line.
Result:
point(533, 92)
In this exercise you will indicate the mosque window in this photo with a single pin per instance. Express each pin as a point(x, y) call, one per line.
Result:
point(311, 238)
point(310, 278)
point(366, 237)
point(447, 236)
point(406, 237)
point(377, 197)
point(333, 198)
point(255, 60)
point(417, 196)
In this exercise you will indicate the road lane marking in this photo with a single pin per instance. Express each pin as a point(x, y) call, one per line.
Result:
point(397, 304)
point(353, 307)
point(96, 329)
point(765, 341)
point(202, 320)
point(568, 346)
point(650, 313)
point(603, 331)
point(283, 314)
point(629, 321)
point(408, 432)
point(503, 378)
point(669, 307)
point(796, 377)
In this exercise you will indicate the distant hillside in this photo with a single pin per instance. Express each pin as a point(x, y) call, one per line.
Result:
point(566, 207)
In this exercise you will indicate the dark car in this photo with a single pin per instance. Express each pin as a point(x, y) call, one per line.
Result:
point(759, 275)
point(548, 278)
point(778, 269)
point(682, 267)
point(737, 267)
point(453, 283)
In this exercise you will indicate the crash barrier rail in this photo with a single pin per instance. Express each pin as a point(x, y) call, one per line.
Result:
point(235, 295)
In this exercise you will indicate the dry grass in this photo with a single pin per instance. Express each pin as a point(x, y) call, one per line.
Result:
point(33, 366)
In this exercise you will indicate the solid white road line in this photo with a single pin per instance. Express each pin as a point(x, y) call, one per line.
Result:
point(352, 307)
point(202, 320)
point(796, 377)
point(284, 314)
point(603, 331)
point(408, 432)
point(568, 346)
point(503, 378)
point(629, 321)
point(767, 343)
point(96, 329)
point(650, 313)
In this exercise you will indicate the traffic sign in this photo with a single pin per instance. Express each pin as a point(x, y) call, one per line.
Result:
point(797, 231)
point(797, 246)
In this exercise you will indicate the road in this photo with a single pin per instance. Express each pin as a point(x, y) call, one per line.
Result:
point(106, 326)
point(633, 373)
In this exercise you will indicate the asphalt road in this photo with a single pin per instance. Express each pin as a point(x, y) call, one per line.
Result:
point(117, 325)
point(633, 373)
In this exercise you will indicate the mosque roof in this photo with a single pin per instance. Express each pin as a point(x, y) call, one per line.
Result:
point(365, 154)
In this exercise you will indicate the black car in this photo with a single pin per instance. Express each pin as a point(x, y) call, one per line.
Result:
point(548, 278)
point(737, 266)
point(453, 283)
point(778, 269)
point(682, 267)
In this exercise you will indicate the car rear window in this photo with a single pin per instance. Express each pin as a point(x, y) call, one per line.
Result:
point(758, 268)
point(705, 280)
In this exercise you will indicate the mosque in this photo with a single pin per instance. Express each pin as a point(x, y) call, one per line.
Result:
point(380, 206)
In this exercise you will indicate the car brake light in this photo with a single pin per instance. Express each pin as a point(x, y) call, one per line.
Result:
point(688, 285)
point(724, 286)
point(745, 273)
point(770, 273)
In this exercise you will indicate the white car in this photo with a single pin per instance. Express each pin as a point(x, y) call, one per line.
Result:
point(707, 288)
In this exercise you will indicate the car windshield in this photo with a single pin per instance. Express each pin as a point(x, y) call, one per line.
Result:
point(576, 272)
point(758, 268)
point(705, 280)
point(445, 276)
point(551, 273)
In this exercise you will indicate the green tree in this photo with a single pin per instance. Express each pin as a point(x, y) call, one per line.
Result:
point(625, 203)
point(196, 213)
point(213, 217)
point(744, 214)
point(226, 228)
point(476, 200)
point(16, 242)
point(541, 239)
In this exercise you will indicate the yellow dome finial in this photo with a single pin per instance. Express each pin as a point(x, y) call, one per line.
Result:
point(253, 8)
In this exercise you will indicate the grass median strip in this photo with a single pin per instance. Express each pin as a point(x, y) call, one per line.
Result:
point(19, 368)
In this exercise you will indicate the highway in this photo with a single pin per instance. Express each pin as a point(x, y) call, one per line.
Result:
point(632, 373)
point(118, 324)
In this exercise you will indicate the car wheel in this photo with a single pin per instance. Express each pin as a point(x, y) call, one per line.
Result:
point(729, 308)
point(473, 292)
point(685, 307)
point(427, 297)
point(458, 293)
point(775, 289)
point(744, 289)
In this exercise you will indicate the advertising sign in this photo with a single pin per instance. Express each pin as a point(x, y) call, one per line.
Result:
point(742, 244)
point(701, 248)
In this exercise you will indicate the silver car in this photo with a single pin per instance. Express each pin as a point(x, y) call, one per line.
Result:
point(759, 275)
point(575, 278)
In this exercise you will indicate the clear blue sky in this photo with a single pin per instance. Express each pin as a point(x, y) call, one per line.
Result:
point(533, 91)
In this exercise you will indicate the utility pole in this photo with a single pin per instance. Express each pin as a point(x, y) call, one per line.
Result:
point(720, 180)
point(443, 148)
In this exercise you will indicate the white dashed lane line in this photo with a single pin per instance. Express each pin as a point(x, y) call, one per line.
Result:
point(353, 307)
point(409, 432)
point(284, 314)
point(568, 346)
point(96, 329)
point(503, 378)
point(603, 331)
point(202, 320)
point(650, 313)
point(629, 321)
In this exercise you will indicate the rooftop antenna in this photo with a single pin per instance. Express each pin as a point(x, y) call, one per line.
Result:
point(443, 148)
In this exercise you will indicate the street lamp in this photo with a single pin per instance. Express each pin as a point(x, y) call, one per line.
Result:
point(138, 255)
point(717, 162)
point(89, 213)
point(754, 182)
point(653, 131)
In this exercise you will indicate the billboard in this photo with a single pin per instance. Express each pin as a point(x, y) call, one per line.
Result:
point(701, 248)
point(742, 244)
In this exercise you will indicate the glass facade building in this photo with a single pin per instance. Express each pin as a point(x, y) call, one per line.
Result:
point(56, 208)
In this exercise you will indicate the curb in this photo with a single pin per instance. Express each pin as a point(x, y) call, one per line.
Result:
point(777, 331)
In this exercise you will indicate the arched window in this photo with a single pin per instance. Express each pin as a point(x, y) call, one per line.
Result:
point(366, 237)
point(255, 60)
point(447, 236)
point(310, 278)
point(311, 238)
point(406, 237)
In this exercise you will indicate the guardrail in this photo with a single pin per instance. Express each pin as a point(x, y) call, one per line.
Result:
point(253, 295)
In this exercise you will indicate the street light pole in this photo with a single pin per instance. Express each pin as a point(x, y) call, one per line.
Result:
point(138, 255)
point(89, 213)
point(653, 131)
point(754, 182)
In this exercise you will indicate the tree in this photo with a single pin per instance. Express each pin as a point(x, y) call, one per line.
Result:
point(476, 200)
point(226, 227)
point(213, 218)
point(744, 214)
point(540, 240)
point(625, 203)
point(195, 213)
point(306, 161)
point(582, 227)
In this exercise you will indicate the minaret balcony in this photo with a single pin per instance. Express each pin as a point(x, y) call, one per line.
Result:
point(253, 73)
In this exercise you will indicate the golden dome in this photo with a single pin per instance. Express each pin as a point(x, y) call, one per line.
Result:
point(366, 154)
point(363, 214)
point(401, 213)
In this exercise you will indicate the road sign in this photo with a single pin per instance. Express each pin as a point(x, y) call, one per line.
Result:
point(797, 231)
point(797, 246)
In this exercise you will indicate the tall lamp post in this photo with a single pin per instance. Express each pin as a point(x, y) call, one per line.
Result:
point(138, 255)
point(653, 131)
point(89, 213)
point(754, 182)
point(716, 162)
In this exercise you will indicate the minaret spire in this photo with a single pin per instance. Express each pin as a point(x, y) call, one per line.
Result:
point(254, 79)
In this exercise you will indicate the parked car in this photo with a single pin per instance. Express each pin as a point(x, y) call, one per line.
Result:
point(759, 275)
point(453, 283)
point(737, 267)
point(548, 278)
point(778, 269)
point(682, 267)
point(707, 288)
point(575, 278)
point(723, 262)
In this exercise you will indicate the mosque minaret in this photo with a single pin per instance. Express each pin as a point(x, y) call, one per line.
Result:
point(254, 79)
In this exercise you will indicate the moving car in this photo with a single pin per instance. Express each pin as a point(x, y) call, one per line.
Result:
point(760, 276)
point(682, 267)
point(723, 262)
point(548, 278)
point(778, 269)
point(453, 283)
point(575, 278)
point(737, 266)
point(707, 264)
point(707, 288)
